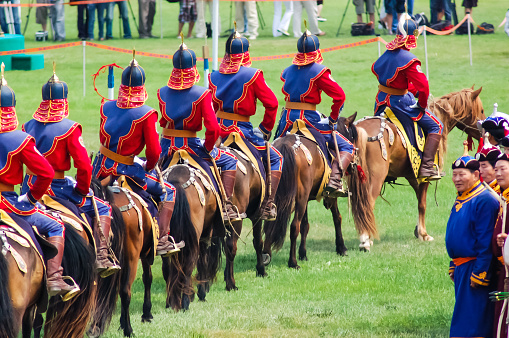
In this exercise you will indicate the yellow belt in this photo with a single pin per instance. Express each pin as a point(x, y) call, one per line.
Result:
point(300, 105)
point(127, 160)
point(58, 174)
point(178, 133)
point(392, 91)
point(232, 116)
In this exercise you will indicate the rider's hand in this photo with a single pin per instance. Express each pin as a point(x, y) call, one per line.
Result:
point(416, 105)
point(140, 162)
point(260, 134)
point(332, 123)
point(24, 198)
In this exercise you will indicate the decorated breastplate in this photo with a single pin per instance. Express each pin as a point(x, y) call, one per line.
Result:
point(178, 106)
point(230, 87)
point(390, 63)
point(297, 79)
point(11, 143)
point(47, 134)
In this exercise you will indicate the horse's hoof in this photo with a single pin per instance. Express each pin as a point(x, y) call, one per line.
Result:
point(416, 232)
point(94, 332)
point(261, 274)
point(294, 266)
point(146, 320)
point(305, 258)
point(266, 259)
point(231, 288)
point(427, 238)
point(342, 253)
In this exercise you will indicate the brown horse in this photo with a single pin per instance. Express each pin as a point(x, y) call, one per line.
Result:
point(22, 292)
point(195, 218)
point(132, 240)
point(458, 109)
point(300, 183)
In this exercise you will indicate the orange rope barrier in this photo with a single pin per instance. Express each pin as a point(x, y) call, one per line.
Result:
point(72, 3)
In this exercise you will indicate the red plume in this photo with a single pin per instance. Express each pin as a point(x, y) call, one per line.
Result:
point(470, 143)
point(362, 175)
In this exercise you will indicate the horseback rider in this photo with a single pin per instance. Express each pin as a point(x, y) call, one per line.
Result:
point(304, 82)
point(235, 90)
point(401, 81)
point(59, 139)
point(191, 106)
point(127, 126)
point(18, 148)
point(487, 157)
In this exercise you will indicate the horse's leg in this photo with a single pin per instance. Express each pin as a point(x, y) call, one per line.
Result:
point(258, 245)
point(125, 297)
point(300, 209)
point(336, 217)
point(421, 191)
point(230, 252)
point(147, 282)
point(38, 323)
point(186, 298)
point(304, 230)
point(28, 321)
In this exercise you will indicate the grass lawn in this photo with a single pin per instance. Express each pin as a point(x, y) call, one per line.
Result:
point(401, 288)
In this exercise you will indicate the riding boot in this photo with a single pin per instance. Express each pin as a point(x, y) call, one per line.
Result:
point(105, 265)
point(269, 211)
point(334, 188)
point(166, 244)
point(428, 169)
point(230, 212)
point(55, 283)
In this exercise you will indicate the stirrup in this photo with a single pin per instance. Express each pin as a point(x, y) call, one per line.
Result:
point(434, 177)
point(74, 292)
point(267, 218)
point(238, 218)
point(176, 246)
point(110, 270)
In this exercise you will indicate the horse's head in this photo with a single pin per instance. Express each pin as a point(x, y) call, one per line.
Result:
point(462, 110)
point(347, 128)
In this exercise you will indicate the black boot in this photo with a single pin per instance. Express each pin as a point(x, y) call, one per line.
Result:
point(166, 244)
point(269, 209)
point(105, 265)
point(334, 188)
point(55, 283)
point(427, 169)
point(230, 212)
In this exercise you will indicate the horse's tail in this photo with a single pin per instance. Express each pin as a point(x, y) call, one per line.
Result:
point(108, 288)
point(183, 262)
point(358, 184)
point(70, 319)
point(7, 328)
point(275, 231)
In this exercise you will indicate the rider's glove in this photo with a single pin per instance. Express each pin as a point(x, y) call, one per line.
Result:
point(262, 133)
point(140, 162)
point(416, 105)
point(26, 198)
point(332, 123)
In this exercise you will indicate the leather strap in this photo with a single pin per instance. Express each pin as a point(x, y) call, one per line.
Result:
point(232, 116)
point(127, 160)
point(58, 174)
point(178, 133)
point(6, 187)
point(300, 105)
point(392, 91)
point(462, 260)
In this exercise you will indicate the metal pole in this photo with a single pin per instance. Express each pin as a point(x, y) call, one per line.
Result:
point(426, 52)
point(215, 33)
point(84, 43)
point(161, 16)
point(206, 65)
point(469, 39)
point(111, 83)
point(379, 52)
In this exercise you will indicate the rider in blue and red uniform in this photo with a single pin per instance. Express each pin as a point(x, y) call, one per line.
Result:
point(59, 139)
point(235, 90)
point(190, 107)
point(128, 126)
point(304, 82)
point(18, 148)
point(401, 80)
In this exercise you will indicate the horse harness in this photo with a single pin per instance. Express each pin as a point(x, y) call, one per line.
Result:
point(116, 188)
point(380, 136)
point(7, 247)
point(193, 173)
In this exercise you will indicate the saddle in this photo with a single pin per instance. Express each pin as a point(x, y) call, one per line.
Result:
point(300, 129)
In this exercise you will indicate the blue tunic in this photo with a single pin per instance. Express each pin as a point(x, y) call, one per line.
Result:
point(468, 242)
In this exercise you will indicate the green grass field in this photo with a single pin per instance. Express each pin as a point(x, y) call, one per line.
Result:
point(401, 288)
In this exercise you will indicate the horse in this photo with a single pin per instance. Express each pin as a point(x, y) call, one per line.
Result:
point(459, 109)
point(132, 240)
point(20, 293)
point(300, 183)
point(197, 221)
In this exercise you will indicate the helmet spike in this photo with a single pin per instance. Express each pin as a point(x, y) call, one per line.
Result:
point(465, 148)
point(133, 61)
point(305, 24)
point(3, 81)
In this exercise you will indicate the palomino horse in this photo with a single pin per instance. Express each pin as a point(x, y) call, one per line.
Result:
point(195, 218)
point(21, 292)
point(300, 183)
point(458, 109)
point(132, 239)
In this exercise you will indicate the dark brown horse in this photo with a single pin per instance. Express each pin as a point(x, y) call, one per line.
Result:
point(195, 219)
point(132, 240)
point(22, 292)
point(458, 109)
point(300, 183)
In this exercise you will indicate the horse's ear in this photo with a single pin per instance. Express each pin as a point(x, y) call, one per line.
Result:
point(476, 93)
point(473, 86)
point(350, 119)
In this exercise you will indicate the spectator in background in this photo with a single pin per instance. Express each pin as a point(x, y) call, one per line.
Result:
point(468, 4)
point(201, 27)
point(187, 14)
point(280, 25)
point(311, 9)
point(319, 7)
point(124, 14)
point(15, 18)
point(359, 9)
point(41, 15)
point(391, 7)
point(57, 14)
point(100, 8)
point(410, 6)
point(439, 8)
point(146, 13)
point(249, 8)
point(82, 21)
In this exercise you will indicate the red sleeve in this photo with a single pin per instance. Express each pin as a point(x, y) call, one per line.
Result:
point(269, 101)
point(417, 82)
point(153, 148)
point(332, 89)
point(209, 121)
point(79, 154)
point(37, 164)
